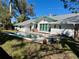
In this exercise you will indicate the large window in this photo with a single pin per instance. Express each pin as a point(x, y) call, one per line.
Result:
point(44, 27)
point(35, 26)
point(41, 27)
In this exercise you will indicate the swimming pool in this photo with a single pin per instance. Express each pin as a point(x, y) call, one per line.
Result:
point(29, 36)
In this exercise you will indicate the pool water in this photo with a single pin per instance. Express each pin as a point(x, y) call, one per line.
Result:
point(34, 37)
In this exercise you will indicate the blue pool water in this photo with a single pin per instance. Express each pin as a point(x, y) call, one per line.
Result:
point(34, 37)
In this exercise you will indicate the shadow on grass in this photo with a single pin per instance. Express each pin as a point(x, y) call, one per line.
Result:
point(4, 55)
point(43, 52)
point(5, 37)
point(38, 54)
point(19, 45)
point(74, 47)
point(72, 43)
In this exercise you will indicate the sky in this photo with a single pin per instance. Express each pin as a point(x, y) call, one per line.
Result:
point(46, 7)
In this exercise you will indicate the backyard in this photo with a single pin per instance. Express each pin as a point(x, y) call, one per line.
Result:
point(39, 29)
point(24, 49)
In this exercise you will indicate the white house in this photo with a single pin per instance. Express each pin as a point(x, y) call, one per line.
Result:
point(53, 24)
point(24, 26)
point(62, 24)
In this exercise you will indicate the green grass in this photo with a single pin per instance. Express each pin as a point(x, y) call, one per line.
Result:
point(22, 49)
point(8, 30)
point(30, 50)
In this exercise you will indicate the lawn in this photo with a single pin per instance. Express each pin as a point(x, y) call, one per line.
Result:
point(23, 49)
point(30, 50)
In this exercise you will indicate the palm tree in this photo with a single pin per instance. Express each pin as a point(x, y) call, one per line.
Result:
point(10, 6)
point(15, 7)
point(23, 9)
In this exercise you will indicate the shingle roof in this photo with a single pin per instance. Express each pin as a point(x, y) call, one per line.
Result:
point(60, 18)
point(74, 19)
point(24, 23)
point(46, 18)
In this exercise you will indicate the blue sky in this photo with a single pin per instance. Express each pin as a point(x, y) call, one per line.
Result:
point(46, 7)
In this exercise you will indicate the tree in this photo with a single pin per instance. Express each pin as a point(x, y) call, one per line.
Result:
point(4, 16)
point(22, 18)
point(72, 5)
point(23, 9)
point(16, 8)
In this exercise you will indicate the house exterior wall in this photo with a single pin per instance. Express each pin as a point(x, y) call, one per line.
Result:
point(67, 29)
point(22, 29)
point(62, 26)
point(68, 32)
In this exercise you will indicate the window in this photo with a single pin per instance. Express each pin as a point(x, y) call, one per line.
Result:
point(59, 26)
point(35, 26)
point(49, 28)
point(54, 26)
point(40, 26)
point(44, 27)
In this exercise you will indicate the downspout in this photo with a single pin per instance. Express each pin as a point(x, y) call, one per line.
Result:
point(75, 32)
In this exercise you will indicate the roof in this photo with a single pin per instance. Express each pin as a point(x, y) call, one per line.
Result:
point(74, 20)
point(62, 17)
point(24, 23)
point(46, 18)
point(67, 18)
